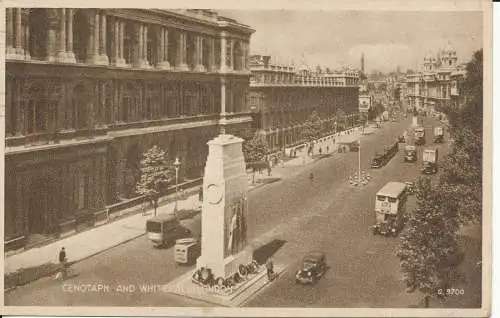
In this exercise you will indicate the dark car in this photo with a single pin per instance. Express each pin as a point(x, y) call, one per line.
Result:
point(378, 161)
point(313, 267)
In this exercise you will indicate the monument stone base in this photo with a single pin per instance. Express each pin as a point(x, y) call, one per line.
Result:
point(234, 297)
point(227, 268)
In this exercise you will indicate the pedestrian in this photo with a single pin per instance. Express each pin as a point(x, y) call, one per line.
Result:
point(270, 268)
point(63, 262)
point(311, 176)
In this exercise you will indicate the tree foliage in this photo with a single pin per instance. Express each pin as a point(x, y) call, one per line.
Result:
point(313, 127)
point(255, 149)
point(428, 247)
point(462, 177)
point(156, 173)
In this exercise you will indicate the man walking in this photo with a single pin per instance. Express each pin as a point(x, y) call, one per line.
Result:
point(269, 267)
point(62, 262)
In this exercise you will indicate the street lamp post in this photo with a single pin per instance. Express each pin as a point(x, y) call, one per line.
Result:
point(177, 165)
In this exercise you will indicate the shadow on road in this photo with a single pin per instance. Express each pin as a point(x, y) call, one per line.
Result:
point(265, 251)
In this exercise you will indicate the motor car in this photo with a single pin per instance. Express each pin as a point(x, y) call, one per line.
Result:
point(410, 187)
point(312, 269)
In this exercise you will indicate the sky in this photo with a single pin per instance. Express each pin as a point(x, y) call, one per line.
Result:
point(337, 38)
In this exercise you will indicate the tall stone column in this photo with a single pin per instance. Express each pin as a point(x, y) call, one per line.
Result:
point(103, 54)
point(117, 47)
point(231, 54)
point(70, 55)
point(121, 56)
point(14, 45)
point(211, 54)
point(53, 23)
point(9, 17)
point(26, 34)
point(61, 47)
point(145, 62)
point(19, 33)
point(138, 48)
point(199, 54)
point(181, 64)
point(94, 48)
point(163, 57)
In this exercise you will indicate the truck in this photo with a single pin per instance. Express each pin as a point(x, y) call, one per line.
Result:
point(419, 134)
point(430, 159)
point(410, 153)
point(438, 135)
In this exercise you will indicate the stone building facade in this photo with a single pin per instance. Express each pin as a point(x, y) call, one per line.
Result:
point(89, 90)
point(282, 97)
point(437, 84)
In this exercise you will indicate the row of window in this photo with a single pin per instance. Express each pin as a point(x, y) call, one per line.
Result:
point(40, 109)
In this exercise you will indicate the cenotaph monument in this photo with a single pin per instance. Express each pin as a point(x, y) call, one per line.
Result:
point(224, 210)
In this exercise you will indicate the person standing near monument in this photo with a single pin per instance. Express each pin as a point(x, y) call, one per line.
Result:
point(270, 268)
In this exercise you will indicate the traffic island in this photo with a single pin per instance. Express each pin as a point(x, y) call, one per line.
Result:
point(234, 296)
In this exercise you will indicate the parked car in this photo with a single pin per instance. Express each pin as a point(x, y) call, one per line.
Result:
point(313, 268)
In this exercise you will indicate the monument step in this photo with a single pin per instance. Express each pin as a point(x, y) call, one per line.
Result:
point(183, 286)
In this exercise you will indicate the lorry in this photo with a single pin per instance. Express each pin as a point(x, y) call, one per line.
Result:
point(419, 134)
point(410, 153)
point(438, 135)
point(430, 159)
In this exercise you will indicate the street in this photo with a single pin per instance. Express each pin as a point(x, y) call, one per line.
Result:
point(289, 217)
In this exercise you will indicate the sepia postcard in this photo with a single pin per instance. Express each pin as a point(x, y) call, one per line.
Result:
point(219, 158)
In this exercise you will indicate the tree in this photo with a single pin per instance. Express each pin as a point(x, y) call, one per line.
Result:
point(254, 152)
point(462, 177)
point(428, 248)
point(156, 174)
point(312, 127)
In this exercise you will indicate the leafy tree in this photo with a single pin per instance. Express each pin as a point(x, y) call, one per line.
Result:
point(428, 248)
point(313, 127)
point(462, 177)
point(156, 174)
point(255, 151)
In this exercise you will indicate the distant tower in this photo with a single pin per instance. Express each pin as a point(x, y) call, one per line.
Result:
point(363, 63)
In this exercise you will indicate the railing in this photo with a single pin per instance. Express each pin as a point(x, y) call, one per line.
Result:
point(126, 204)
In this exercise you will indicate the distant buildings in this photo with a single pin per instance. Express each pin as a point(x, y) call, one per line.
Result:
point(437, 84)
point(283, 96)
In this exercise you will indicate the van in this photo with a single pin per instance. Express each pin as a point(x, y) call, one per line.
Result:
point(165, 229)
point(187, 251)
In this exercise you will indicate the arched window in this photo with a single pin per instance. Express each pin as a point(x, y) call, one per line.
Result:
point(131, 103)
point(81, 100)
point(36, 109)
